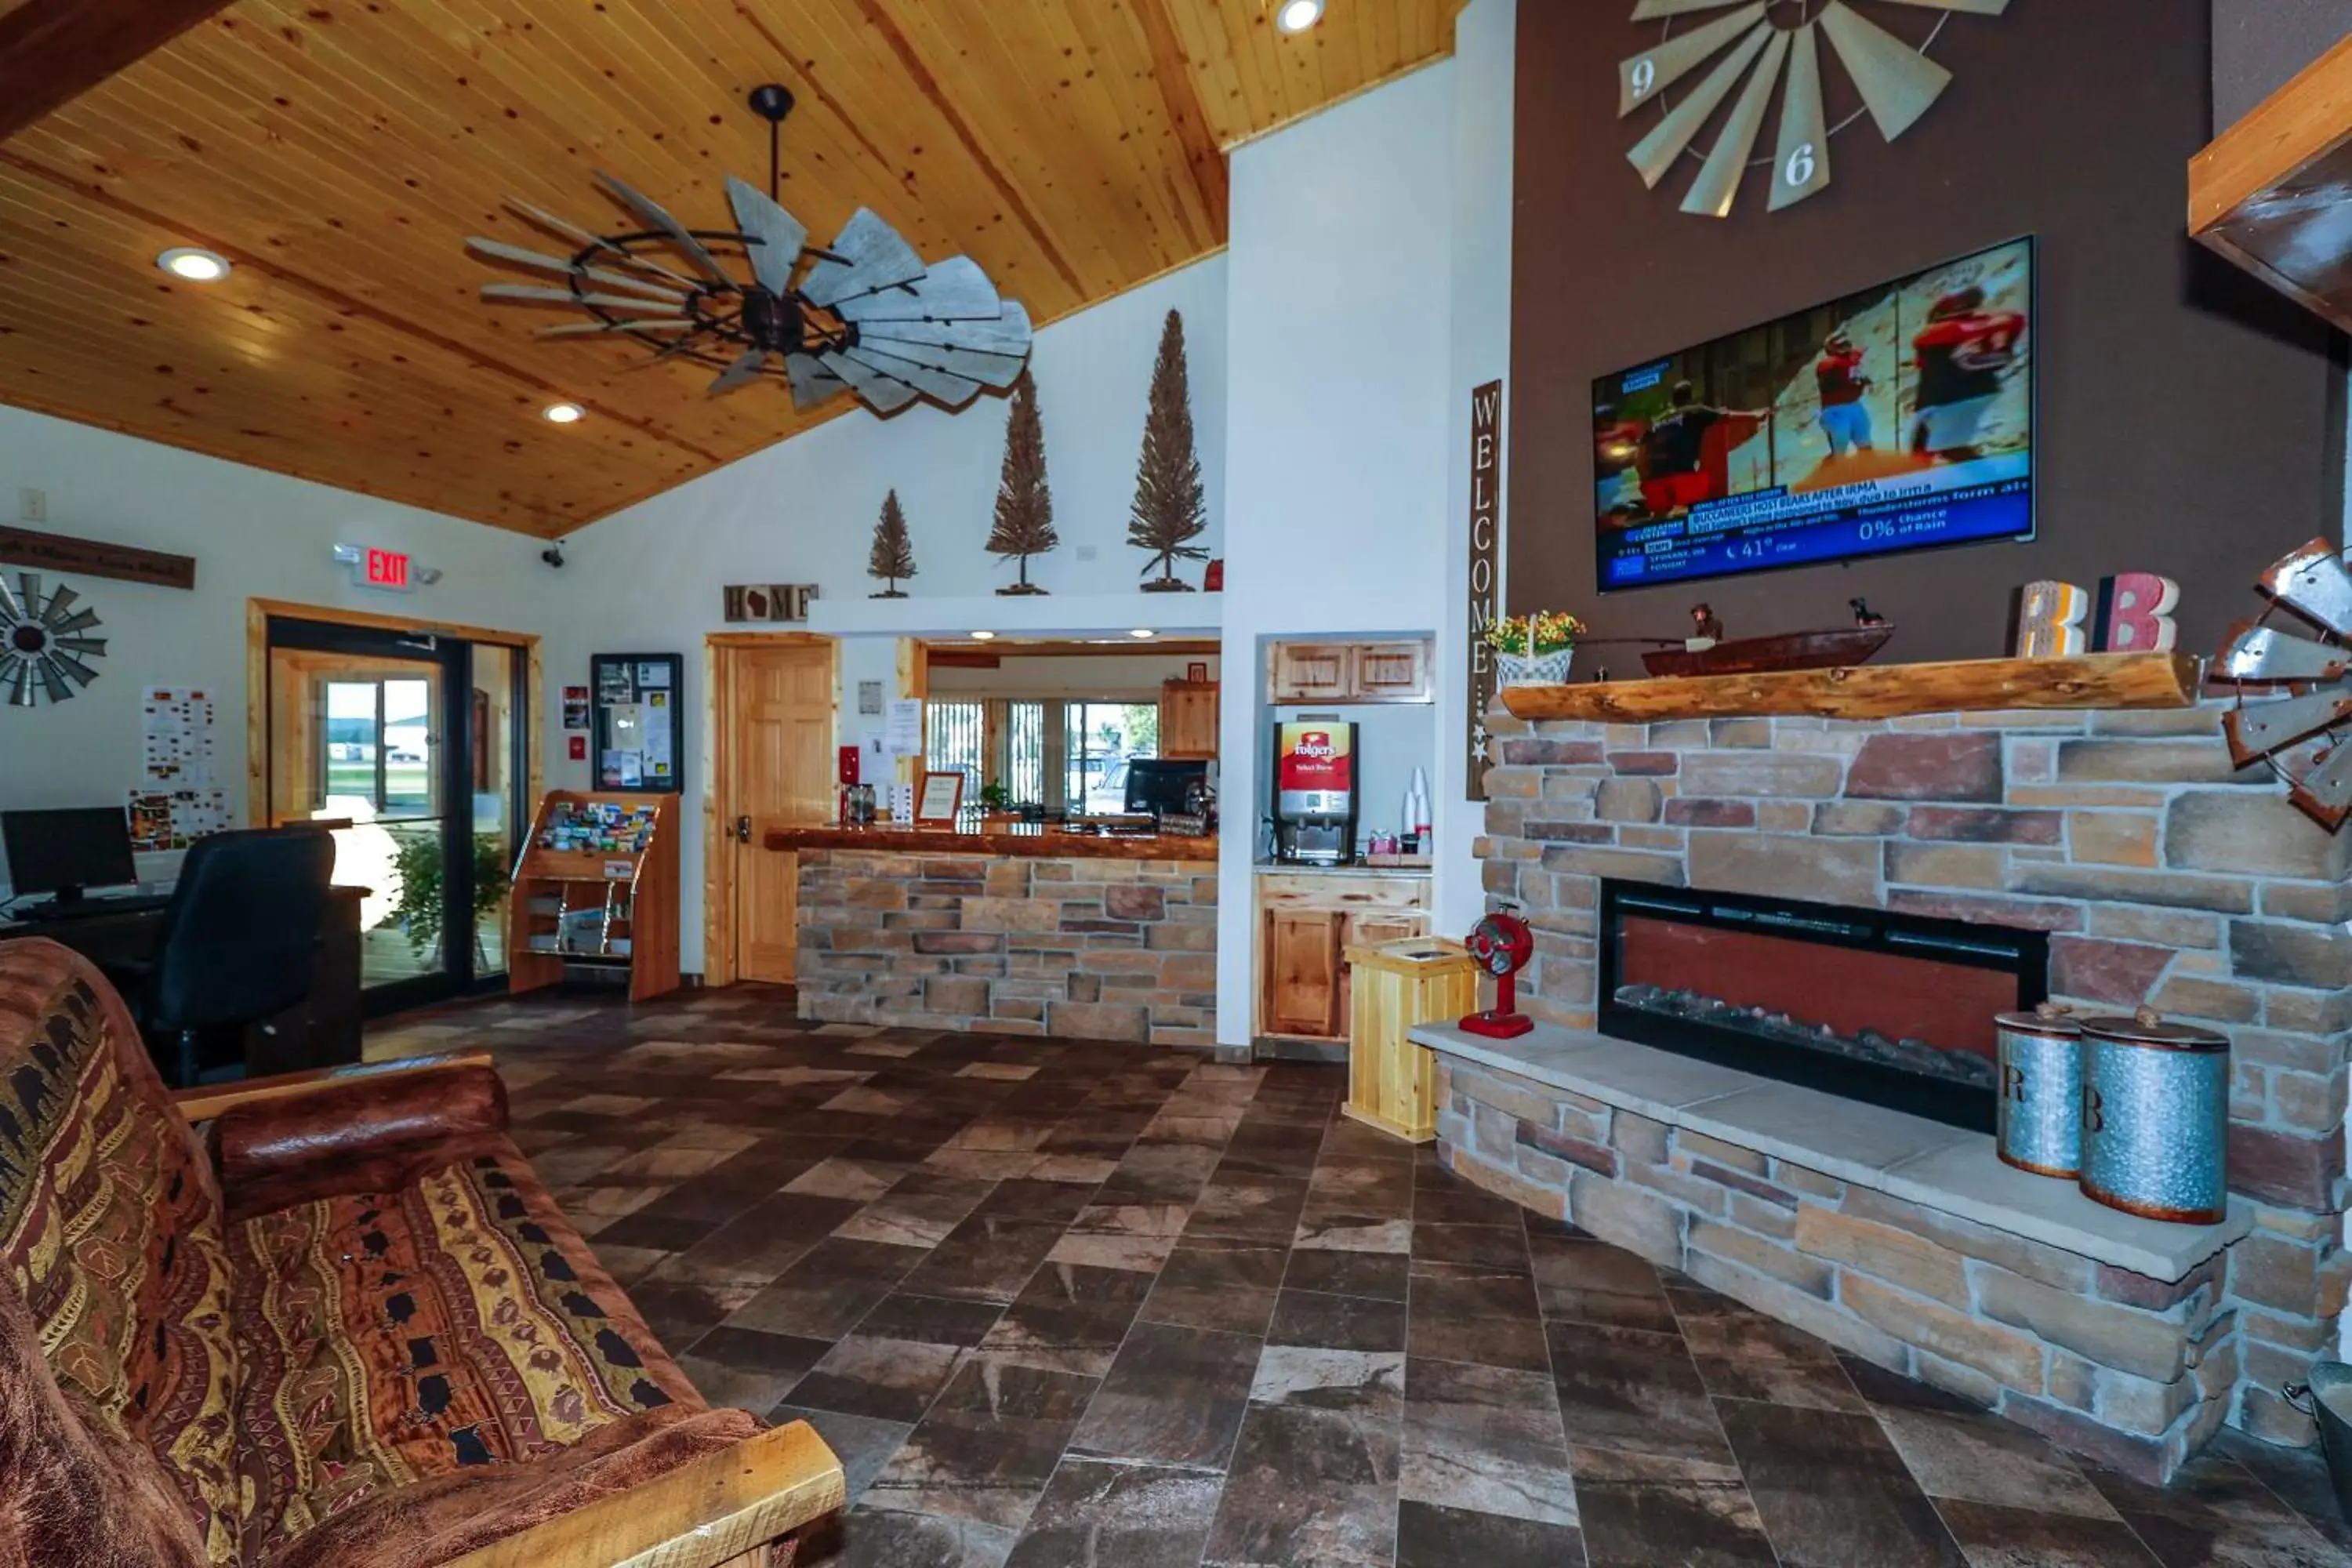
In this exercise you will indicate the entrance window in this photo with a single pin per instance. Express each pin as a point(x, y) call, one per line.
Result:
point(379, 749)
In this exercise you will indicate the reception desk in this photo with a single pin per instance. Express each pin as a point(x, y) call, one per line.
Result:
point(1009, 929)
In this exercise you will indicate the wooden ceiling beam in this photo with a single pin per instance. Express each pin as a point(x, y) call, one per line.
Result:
point(53, 51)
point(1179, 88)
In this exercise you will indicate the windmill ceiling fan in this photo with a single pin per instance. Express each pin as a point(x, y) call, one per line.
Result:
point(867, 314)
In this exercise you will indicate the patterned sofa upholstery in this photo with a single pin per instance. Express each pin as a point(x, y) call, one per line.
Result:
point(347, 1328)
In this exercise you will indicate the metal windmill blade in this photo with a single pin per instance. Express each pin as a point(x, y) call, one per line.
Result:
point(781, 236)
point(501, 250)
point(742, 372)
point(44, 650)
point(869, 256)
point(887, 393)
point(1801, 164)
point(812, 384)
point(1897, 82)
point(566, 297)
point(2316, 672)
point(1717, 185)
point(596, 242)
point(1655, 155)
point(655, 215)
point(1641, 78)
point(954, 291)
point(939, 385)
point(651, 324)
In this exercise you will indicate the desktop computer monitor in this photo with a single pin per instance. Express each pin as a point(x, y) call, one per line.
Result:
point(1158, 786)
point(66, 851)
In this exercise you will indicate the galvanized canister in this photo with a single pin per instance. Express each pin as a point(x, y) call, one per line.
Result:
point(2041, 1091)
point(2156, 1118)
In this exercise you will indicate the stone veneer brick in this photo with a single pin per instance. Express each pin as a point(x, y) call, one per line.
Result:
point(1117, 950)
point(2164, 872)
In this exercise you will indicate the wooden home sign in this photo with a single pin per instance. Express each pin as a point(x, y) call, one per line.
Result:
point(1486, 554)
point(95, 558)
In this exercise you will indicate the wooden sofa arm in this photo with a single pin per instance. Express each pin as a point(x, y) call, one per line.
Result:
point(205, 1101)
point(707, 1511)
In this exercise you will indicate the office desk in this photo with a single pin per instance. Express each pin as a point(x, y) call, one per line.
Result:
point(320, 1030)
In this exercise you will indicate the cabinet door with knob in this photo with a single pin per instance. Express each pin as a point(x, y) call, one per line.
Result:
point(1310, 672)
point(1303, 993)
point(1188, 719)
point(1393, 672)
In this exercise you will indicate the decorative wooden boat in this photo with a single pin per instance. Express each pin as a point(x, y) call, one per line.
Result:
point(1790, 650)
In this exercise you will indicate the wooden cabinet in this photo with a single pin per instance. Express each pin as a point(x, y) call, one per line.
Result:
point(1310, 672)
point(1188, 719)
point(1306, 921)
point(1301, 672)
point(1302, 986)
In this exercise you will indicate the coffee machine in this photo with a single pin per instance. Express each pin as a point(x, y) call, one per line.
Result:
point(1314, 783)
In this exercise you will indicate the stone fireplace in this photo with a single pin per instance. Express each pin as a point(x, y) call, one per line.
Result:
point(1807, 1129)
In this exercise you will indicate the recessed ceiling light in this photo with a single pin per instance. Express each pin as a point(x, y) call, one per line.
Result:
point(1297, 15)
point(562, 413)
point(193, 264)
point(983, 637)
point(1143, 632)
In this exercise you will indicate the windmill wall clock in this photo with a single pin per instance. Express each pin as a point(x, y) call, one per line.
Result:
point(1762, 41)
point(44, 642)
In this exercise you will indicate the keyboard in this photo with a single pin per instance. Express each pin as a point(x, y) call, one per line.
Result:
point(92, 909)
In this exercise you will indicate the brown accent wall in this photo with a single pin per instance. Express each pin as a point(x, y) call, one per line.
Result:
point(2186, 412)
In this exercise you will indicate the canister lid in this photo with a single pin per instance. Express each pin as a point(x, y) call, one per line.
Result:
point(2147, 1027)
point(2052, 1018)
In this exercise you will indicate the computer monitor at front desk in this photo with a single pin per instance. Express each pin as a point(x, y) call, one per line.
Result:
point(67, 851)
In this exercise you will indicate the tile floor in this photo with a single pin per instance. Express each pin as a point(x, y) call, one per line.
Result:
point(1073, 1303)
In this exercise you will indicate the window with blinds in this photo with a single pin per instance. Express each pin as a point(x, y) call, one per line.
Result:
point(955, 740)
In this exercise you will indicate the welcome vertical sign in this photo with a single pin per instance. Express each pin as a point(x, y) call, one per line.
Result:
point(1485, 552)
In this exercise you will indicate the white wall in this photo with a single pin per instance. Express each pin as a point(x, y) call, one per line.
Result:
point(649, 578)
point(1338, 361)
point(255, 534)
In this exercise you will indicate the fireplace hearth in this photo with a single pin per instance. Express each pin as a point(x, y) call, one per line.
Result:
point(1890, 1009)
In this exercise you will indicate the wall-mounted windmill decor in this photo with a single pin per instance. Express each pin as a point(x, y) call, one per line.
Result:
point(868, 314)
point(1896, 80)
point(2302, 735)
point(44, 642)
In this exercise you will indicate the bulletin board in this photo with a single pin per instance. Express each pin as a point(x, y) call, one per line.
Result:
point(638, 705)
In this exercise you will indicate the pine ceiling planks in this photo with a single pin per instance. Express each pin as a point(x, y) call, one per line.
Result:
point(339, 151)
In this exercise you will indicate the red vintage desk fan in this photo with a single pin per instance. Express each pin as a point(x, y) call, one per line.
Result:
point(1501, 944)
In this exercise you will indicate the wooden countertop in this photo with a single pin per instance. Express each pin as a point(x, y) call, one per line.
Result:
point(1032, 840)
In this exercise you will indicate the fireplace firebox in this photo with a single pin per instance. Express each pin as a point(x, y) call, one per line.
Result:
point(1892, 1009)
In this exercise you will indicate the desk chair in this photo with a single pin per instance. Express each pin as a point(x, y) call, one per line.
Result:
point(239, 938)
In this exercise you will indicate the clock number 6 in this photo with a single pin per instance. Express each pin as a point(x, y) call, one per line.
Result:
point(1800, 167)
point(1645, 77)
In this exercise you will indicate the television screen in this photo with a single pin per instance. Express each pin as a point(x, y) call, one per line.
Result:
point(1898, 418)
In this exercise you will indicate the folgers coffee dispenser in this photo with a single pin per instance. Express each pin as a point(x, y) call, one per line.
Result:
point(1315, 781)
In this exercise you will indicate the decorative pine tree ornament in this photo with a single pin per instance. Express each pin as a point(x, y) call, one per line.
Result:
point(893, 555)
point(1024, 503)
point(1169, 511)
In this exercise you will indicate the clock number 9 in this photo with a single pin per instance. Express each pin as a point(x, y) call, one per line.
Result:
point(1800, 167)
point(1645, 77)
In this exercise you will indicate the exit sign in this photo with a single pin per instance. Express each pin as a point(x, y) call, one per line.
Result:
point(391, 571)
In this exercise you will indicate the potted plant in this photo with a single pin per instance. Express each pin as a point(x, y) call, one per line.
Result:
point(1536, 649)
point(419, 910)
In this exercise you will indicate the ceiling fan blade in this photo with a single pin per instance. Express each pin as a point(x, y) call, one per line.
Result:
point(516, 253)
point(651, 324)
point(657, 216)
point(1008, 334)
point(812, 384)
point(954, 291)
point(1657, 10)
point(872, 257)
point(2260, 729)
point(2325, 789)
point(1655, 154)
point(939, 385)
point(780, 234)
point(1804, 148)
point(989, 367)
point(1641, 77)
point(2314, 584)
point(2265, 653)
point(1897, 82)
point(742, 372)
point(1717, 185)
point(1973, 7)
point(581, 236)
point(566, 297)
point(884, 394)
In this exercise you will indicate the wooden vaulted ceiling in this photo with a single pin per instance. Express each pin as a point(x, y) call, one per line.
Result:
point(339, 151)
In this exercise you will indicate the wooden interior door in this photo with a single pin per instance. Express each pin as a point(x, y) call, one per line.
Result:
point(1302, 973)
point(779, 773)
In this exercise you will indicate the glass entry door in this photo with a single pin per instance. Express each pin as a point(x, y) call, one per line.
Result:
point(414, 740)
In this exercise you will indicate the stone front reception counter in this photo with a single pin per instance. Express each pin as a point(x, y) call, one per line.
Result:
point(1009, 933)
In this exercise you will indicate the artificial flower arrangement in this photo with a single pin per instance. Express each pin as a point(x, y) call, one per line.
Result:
point(1533, 651)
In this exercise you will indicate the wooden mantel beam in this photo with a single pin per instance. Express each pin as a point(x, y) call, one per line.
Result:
point(53, 51)
point(1878, 690)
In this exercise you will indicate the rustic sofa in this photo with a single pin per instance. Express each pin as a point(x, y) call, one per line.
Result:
point(343, 1328)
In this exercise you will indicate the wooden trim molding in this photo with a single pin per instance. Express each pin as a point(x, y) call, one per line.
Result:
point(53, 51)
point(1878, 691)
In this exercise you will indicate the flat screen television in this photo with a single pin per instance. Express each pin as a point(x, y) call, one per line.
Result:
point(1898, 418)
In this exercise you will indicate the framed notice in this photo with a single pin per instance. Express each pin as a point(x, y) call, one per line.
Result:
point(942, 797)
point(635, 719)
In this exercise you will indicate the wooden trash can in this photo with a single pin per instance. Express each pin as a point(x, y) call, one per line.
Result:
point(1392, 1082)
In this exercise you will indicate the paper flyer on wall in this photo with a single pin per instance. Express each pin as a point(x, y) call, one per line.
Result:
point(902, 727)
point(173, 819)
point(176, 736)
point(660, 734)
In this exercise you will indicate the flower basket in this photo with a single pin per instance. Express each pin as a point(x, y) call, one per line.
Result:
point(1541, 669)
